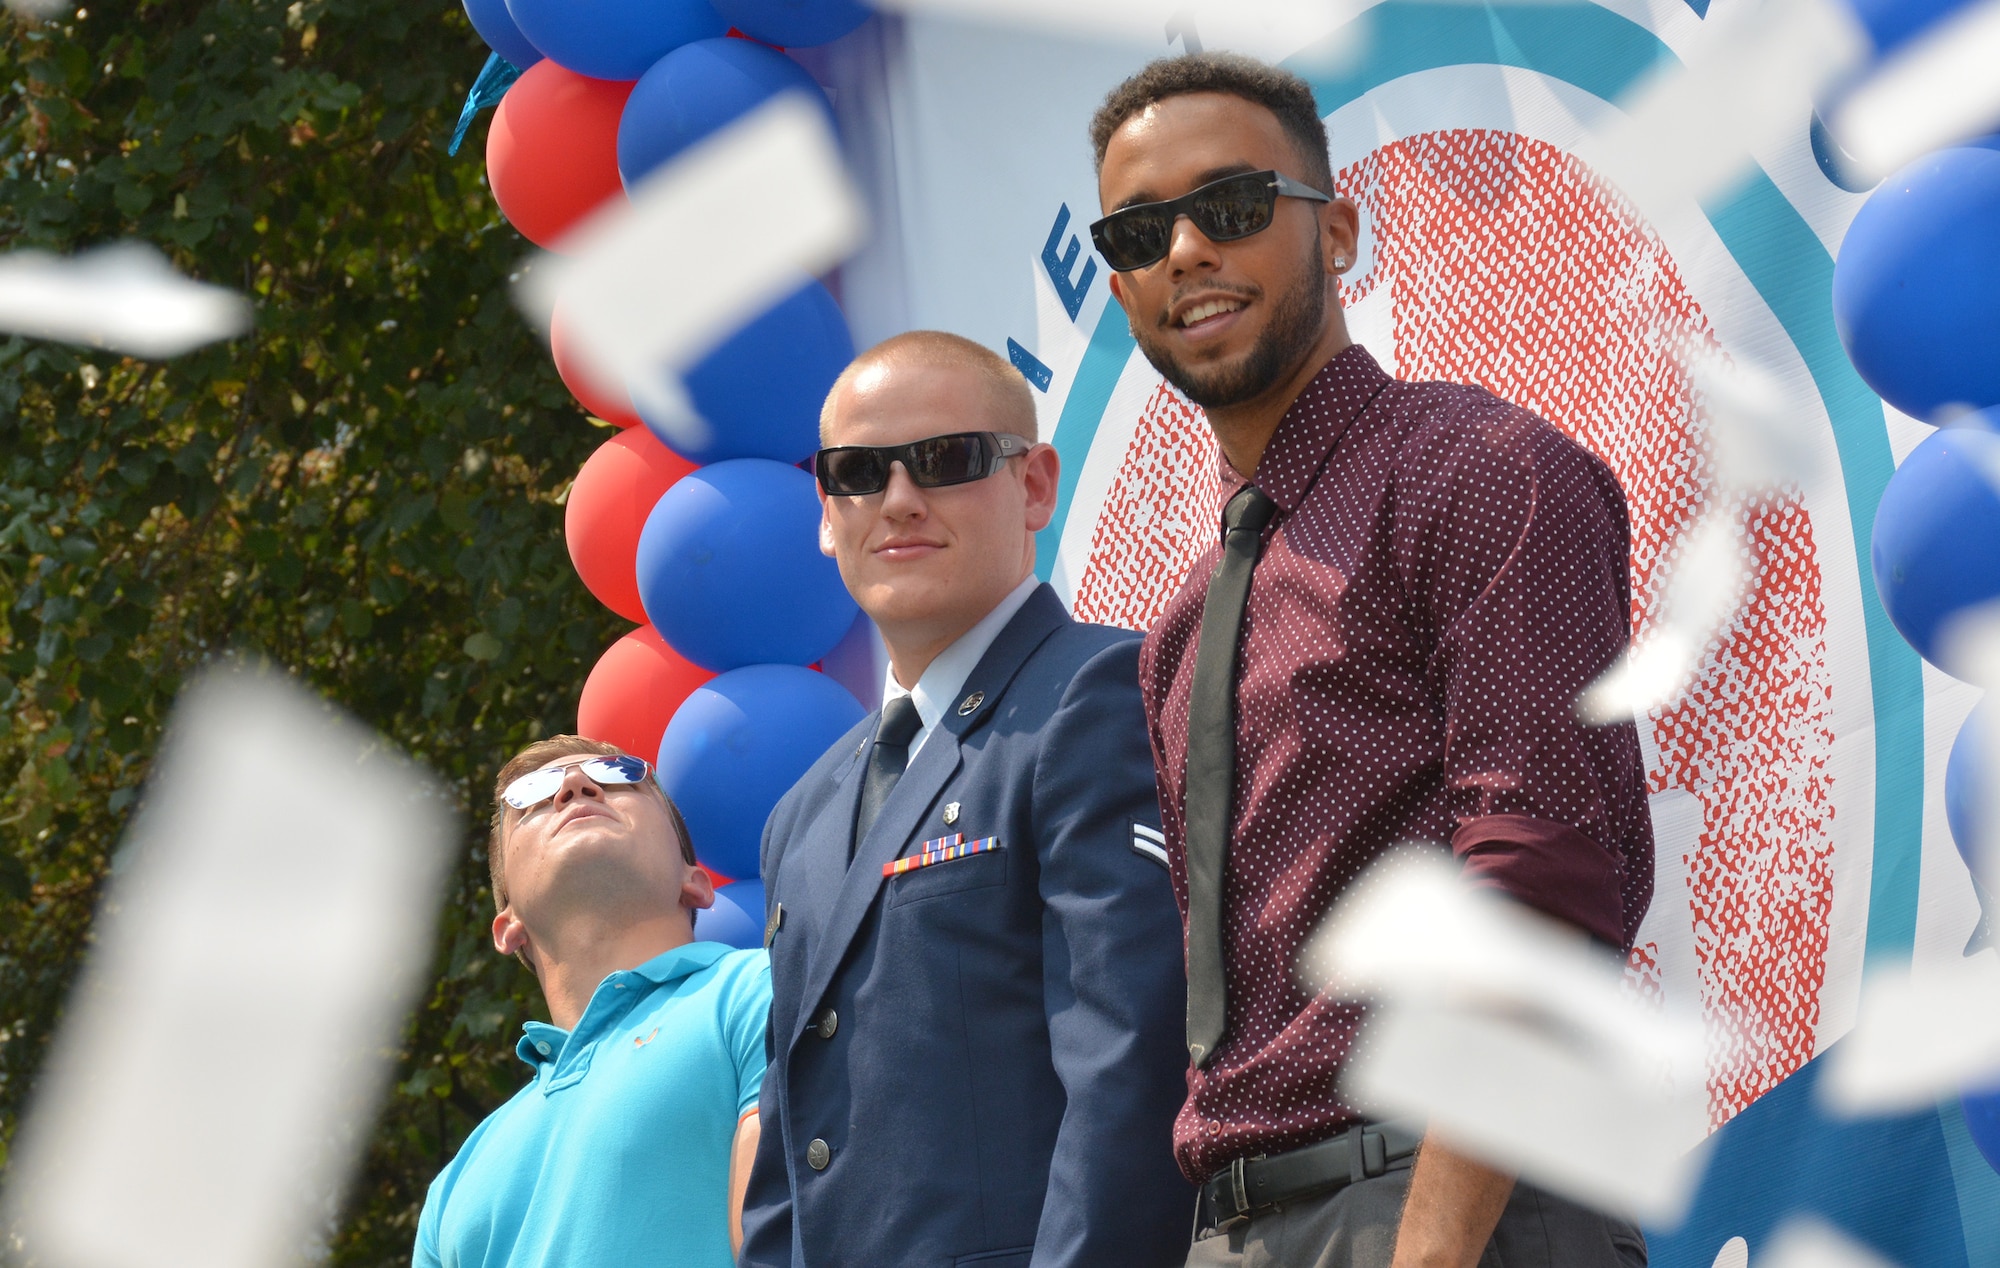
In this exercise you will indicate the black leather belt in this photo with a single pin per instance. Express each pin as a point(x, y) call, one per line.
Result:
point(1248, 1186)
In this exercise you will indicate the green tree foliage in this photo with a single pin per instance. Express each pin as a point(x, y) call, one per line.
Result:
point(366, 489)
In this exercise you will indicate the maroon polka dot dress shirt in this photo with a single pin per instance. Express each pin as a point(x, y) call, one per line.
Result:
point(1444, 574)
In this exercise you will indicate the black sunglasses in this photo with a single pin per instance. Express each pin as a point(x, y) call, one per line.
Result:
point(1225, 210)
point(935, 461)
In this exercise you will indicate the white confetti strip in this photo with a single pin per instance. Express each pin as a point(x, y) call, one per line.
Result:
point(706, 243)
point(1939, 89)
point(1514, 1037)
point(1807, 1243)
point(268, 925)
point(1704, 593)
point(125, 297)
point(1922, 1033)
point(1690, 132)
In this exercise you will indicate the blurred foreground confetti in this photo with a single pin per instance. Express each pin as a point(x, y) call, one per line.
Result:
point(270, 917)
point(1691, 132)
point(1242, 25)
point(706, 243)
point(1929, 1031)
point(1940, 89)
point(1921, 1035)
point(125, 297)
point(1810, 1244)
point(1515, 1038)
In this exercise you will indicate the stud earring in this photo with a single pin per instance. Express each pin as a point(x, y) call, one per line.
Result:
point(1339, 262)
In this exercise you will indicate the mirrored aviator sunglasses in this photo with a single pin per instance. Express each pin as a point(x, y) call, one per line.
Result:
point(537, 786)
point(933, 462)
point(1224, 210)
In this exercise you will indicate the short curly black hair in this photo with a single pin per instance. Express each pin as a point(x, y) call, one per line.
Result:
point(1279, 91)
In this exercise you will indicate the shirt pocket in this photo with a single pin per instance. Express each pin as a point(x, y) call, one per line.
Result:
point(954, 876)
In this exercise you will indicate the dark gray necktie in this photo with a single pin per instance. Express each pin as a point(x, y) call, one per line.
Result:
point(1211, 764)
point(886, 760)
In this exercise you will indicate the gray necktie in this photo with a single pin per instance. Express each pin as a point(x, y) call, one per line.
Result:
point(886, 760)
point(1211, 764)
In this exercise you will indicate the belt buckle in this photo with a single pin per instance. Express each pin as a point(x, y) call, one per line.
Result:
point(1239, 1192)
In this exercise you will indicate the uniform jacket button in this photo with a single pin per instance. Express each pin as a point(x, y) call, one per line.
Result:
point(818, 1155)
point(826, 1023)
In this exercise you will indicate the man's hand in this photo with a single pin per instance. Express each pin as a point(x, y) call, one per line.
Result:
point(742, 1152)
point(1453, 1205)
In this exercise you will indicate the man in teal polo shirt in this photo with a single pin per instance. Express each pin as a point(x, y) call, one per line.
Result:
point(633, 1140)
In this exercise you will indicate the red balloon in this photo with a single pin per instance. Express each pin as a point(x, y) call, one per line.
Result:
point(607, 509)
point(632, 693)
point(552, 149)
point(599, 400)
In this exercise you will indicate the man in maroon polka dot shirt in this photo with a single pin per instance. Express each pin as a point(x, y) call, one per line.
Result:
point(1442, 574)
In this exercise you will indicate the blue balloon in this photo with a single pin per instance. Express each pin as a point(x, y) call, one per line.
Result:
point(760, 392)
point(737, 744)
point(613, 39)
point(1982, 1123)
point(730, 571)
point(1914, 287)
point(496, 26)
point(1965, 791)
point(728, 923)
point(1888, 22)
point(1936, 529)
point(793, 23)
point(749, 895)
point(695, 90)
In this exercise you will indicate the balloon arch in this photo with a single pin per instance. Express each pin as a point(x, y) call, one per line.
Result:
point(1493, 253)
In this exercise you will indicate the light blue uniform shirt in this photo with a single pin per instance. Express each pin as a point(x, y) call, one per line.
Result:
point(617, 1153)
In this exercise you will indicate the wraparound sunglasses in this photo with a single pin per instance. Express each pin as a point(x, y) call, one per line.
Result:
point(1224, 210)
point(537, 786)
point(933, 462)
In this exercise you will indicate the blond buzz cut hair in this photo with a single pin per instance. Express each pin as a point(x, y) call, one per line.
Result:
point(1013, 401)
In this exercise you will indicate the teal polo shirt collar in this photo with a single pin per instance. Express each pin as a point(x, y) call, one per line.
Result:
point(560, 1057)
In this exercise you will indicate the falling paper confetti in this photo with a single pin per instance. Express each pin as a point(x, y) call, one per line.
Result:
point(1804, 1243)
point(1691, 132)
point(1704, 593)
point(1922, 1033)
point(1264, 27)
point(1942, 88)
point(260, 942)
point(706, 243)
point(125, 297)
point(1928, 1031)
point(1758, 443)
point(1514, 1037)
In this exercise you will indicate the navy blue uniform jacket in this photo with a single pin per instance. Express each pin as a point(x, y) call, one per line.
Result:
point(996, 1081)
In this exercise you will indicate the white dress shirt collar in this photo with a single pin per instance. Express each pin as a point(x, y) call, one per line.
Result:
point(938, 688)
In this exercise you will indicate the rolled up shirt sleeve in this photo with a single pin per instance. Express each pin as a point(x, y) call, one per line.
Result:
point(1523, 566)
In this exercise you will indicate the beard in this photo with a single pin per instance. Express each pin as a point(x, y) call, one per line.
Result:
point(1294, 329)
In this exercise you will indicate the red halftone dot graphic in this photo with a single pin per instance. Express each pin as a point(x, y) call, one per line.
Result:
point(1159, 516)
point(1506, 264)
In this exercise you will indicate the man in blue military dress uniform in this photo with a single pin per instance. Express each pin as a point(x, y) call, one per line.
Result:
point(976, 963)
